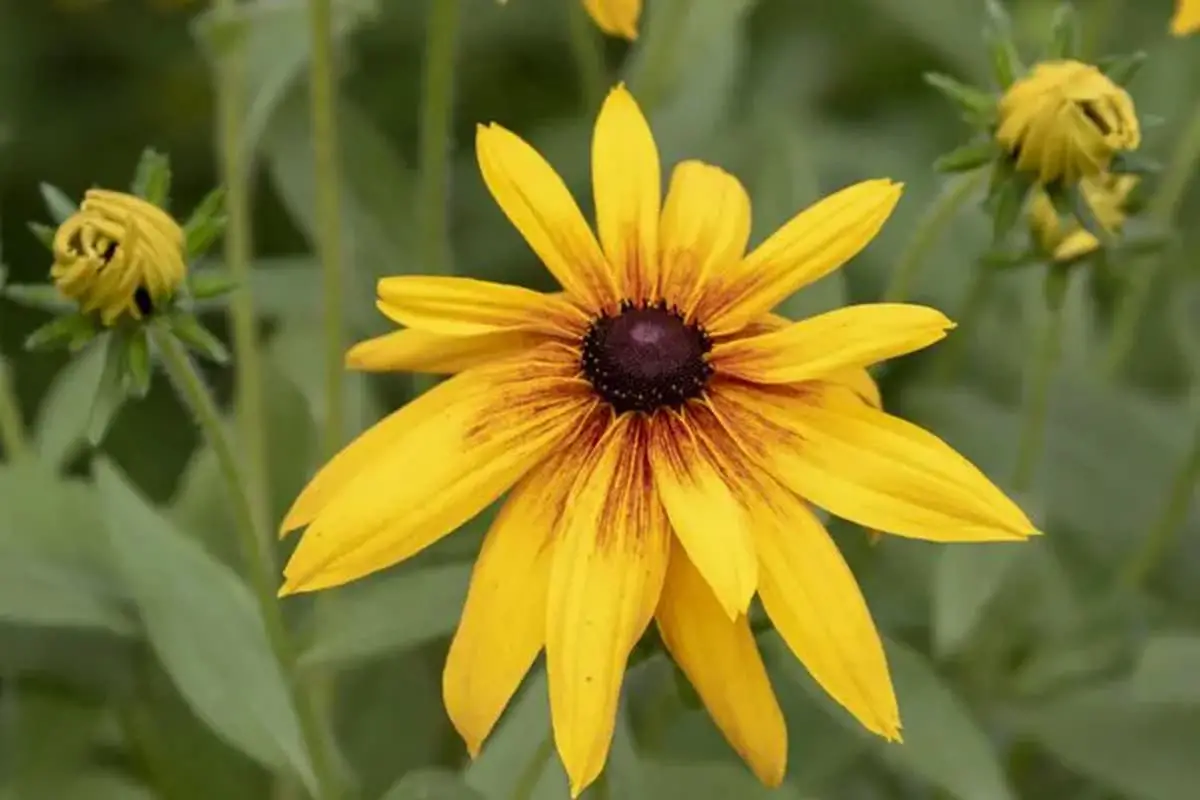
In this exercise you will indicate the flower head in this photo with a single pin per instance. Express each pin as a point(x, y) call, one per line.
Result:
point(1106, 196)
point(1187, 17)
point(118, 255)
point(664, 437)
point(1066, 120)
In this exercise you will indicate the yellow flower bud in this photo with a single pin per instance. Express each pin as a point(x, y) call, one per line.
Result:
point(1105, 194)
point(1187, 17)
point(1065, 120)
point(118, 255)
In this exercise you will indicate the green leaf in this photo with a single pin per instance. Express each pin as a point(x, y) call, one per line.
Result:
point(204, 226)
point(42, 296)
point(137, 362)
point(110, 392)
point(1006, 200)
point(971, 100)
point(43, 233)
point(69, 330)
point(152, 178)
point(41, 592)
point(431, 784)
point(209, 283)
point(967, 579)
point(60, 206)
point(1129, 163)
point(1002, 50)
point(1167, 670)
point(968, 157)
point(203, 624)
point(198, 338)
point(1123, 69)
point(1064, 33)
point(360, 621)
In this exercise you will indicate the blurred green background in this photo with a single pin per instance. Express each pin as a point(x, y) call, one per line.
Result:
point(130, 664)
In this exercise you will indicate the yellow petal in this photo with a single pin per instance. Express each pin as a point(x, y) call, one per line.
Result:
point(860, 382)
point(616, 17)
point(867, 466)
point(814, 243)
point(422, 351)
point(720, 658)
point(709, 520)
point(1187, 17)
point(627, 183)
point(855, 336)
point(604, 586)
point(471, 438)
point(464, 306)
point(503, 625)
point(539, 205)
point(812, 598)
point(705, 228)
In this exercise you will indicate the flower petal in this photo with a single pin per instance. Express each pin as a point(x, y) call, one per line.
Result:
point(1187, 17)
point(855, 336)
point(705, 228)
point(616, 17)
point(437, 463)
point(867, 466)
point(709, 521)
point(812, 598)
point(721, 660)
point(814, 243)
point(539, 205)
point(605, 583)
point(627, 182)
point(464, 306)
point(860, 382)
point(422, 351)
point(503, 625)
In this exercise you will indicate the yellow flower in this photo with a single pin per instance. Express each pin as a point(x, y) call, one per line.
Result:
point(1187, 17)
point(1106, 195)
point(616, 17)
point(118, 255)
point(1065, 120)
point(663, 435)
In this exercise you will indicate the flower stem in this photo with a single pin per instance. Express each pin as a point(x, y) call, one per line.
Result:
point(1038, 379)
point(589, 55)
point(437, 113)
point(235, 177)
point(256, 548)
point(12, 429)
point(938, 216)
point(1161, 211)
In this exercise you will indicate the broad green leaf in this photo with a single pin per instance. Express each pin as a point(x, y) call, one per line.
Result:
point(53, 732)
point(968, 577)
point(60, 206)
point(1168, 670)
point(41, 592)
point(46, 517)
point(202, 623)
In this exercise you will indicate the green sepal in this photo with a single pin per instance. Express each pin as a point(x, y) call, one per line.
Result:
point(137, 361)
point(968, 157)
point(60, 207)
point(1062, 200)
point(110, 392)
point(976, 104)
point(210, 283)
point(152, 178)
point(1002, 50)
point(43, 233)
point(205, 224)
point(1128, 163)
point(1006, 199)
point(70, 330)
point(1123, 69)
point(41, 296)
point(188, 330)
point(1082, 211)
point(1064, 33)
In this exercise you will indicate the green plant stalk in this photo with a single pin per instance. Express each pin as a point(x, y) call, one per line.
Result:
point(589, 55)
point(1161, 211)
point(938, 216)
point(12, 429)
point(437, 114)
point(1039, 378)
point(256, 548)
point(247, 355)
point(953, 348)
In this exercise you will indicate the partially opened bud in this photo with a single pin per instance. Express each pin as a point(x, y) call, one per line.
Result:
point(1187, 17)
point(118, 255)
point(1106, 196)
point(1065, 121)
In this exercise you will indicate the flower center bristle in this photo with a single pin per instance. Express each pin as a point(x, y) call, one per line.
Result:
point(646, 357)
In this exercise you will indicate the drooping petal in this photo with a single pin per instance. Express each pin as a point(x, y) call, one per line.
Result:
point(422, 351)
point(616, 17)
point(463, 306)
point(503, 625)
point(627, 183)
point(860, 382)
point(705, 228)
point(470, 439)
point(539, 205)
point(708, 519)
point(854, 336)
point(605, 582)
point(812, 598)
point(1187, 17)
point(817, 241)
point(867, 466)
point(720, 658)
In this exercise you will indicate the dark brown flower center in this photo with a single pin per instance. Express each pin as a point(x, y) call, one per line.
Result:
point(646, 357)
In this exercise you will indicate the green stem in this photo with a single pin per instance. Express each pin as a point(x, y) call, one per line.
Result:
point(1039, 379)
point(972, 307)
point(12, 429)
point(1161, 211)
point(588, 49)
point(437, 114)
point(938, 216)
point(235, 177)
point(256, 548)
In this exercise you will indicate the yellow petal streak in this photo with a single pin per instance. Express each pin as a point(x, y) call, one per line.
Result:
point(705, 228)
point(812, 598)
point(627, 183)
point(855, 336)
point(721, 660)
point(503, 626)
point(605, 583)
point(616, 17)
point(1187, 17)
point(464, 306)
point(814, 243)
point(422, 351)
point(708, 519)
point(539, 205)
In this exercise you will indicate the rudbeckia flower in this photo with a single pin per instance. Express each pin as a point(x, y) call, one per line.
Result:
point(118, 255)
point(665, 438)
point(1066, 120)
point(1105, 195)
point(1187, 17)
